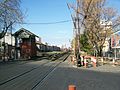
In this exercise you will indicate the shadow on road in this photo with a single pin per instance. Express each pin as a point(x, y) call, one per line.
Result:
point(59, 78)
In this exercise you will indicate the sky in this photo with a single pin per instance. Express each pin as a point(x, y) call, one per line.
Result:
point(45, 11)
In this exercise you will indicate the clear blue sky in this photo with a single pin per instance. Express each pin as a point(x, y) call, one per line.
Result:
point(42, 11)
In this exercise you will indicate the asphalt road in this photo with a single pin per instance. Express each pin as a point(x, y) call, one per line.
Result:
point(42, 75)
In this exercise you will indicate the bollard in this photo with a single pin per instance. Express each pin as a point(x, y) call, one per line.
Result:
point(102, 61)
point(71, 59)
point(94, 65)
point(72, 87)
point(113, 62)
point(74, 59)
point(94, 61)
point(85, 63)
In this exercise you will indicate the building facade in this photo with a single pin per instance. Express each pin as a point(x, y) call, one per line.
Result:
point(7, 44)
point(115, 44)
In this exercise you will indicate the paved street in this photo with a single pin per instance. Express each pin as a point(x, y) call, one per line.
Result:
point(45, 75)
point(84, 79)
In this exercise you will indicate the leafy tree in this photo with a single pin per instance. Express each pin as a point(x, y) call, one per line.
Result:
point(85, 45)
point(74, 44)
point(91, 13)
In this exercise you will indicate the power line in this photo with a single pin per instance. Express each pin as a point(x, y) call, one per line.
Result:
point(46, 23)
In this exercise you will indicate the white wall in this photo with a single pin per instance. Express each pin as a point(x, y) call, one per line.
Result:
point(8, 39)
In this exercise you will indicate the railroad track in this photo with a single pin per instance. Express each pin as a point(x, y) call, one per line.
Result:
point(50, 71)
point(19, 75)
point(51, 66)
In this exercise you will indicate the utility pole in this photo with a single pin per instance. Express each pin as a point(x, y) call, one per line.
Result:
point(76, 30)
point(4, 48)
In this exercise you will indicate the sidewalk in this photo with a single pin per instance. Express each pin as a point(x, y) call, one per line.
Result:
point(106, 68)
point(100, 68)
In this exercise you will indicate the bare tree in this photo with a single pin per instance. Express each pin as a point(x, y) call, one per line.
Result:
point(10, 14)
point(97, 20)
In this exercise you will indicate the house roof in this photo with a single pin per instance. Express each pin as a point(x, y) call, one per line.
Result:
point(17, 33)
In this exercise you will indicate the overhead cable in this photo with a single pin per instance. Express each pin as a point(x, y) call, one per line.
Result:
point(57, 22)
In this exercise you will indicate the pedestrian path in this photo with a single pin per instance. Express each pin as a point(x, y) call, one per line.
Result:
point(102, 68)
point(106, 68)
